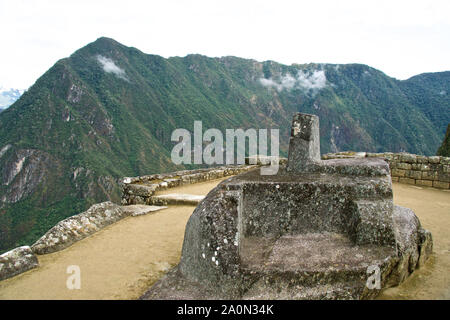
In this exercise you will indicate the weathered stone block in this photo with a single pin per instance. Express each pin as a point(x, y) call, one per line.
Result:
point(441, 184)
point(427, 183)
point(407, 180)
point(138, 200)
point(413, 242)
point(443, 177)
point(414, 174)
point(434, 159)
point(304, 142)
point(425, 244)
point(264, 160)
point(172, 182)
point(429, 175)
point(393, 165)
point(78, 227)
point(372, 222)
point(407, 157)
point(443, 172)
point(17, 261)
point(404, 166)
point(389, 156)
point(176, 199)
point(142, 190)
point(438, 169)
point(421, 159)
point(398, 173)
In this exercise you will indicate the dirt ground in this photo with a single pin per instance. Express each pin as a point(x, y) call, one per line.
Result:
point(432, 206)
point(124, 259)
point(118, 262)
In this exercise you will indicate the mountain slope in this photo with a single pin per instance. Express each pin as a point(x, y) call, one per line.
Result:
point(108, 111)
point(444, 149)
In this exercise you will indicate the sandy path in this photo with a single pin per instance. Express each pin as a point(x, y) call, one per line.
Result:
point(119, 262)
point(201, 188)
point(432, 206)
point(124, 259)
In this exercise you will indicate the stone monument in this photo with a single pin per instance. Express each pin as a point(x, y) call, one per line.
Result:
point(318, 229)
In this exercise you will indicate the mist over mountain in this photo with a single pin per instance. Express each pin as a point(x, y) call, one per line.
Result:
point(108, 111)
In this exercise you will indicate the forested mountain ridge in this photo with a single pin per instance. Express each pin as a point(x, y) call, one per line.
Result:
point(108, 111)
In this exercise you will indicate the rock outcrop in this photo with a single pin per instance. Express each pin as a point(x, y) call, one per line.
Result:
point(408, 168)
point(16, 261)
point(78, 227)
point(315, 230)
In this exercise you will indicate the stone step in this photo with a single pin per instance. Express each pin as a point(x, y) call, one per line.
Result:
point(335, 291)
point(140, 209)
point(173, 286)
point(177, 199)
point(310, 259)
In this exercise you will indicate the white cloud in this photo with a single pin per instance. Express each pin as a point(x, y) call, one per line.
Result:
point(270, 83)
point(309, 81)
point(315, 81)
point(9, 96)
point(110, 67)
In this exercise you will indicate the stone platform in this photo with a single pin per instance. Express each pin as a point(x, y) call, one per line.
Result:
point(315, 230)
point(135, 210)
point(177, 199)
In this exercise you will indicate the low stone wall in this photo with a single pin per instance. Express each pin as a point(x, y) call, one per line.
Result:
point(409, 168)
point(139, 190)
point(16, 261)
point(78, 227)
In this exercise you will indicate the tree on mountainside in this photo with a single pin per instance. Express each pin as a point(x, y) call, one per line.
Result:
point(444, 149)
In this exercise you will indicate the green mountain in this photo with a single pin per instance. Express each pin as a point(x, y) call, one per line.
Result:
point(108, 111)
point(444, 149)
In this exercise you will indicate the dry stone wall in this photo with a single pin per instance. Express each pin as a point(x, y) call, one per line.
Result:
point(16, 261)
point(409, 168)
point(139, 190)
point(78, 227)
point(136, 190)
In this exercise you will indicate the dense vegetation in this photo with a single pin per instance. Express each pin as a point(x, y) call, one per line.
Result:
point(87, 124)
point(444, 149)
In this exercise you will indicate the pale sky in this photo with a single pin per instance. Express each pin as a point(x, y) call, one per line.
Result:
point(400, 38)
